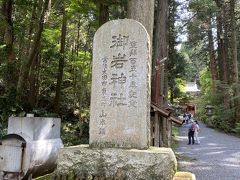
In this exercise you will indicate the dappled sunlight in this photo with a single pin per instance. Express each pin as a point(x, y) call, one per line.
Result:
point(233, 158)
point(181, 138)
point(42, 153)
point(236, 155)
point(231, 165)
point(218, 152)
point(46, 150)
point(45, 130)
point(212, 144)
point(215, 152)
point(188, 163)
point(185, 138)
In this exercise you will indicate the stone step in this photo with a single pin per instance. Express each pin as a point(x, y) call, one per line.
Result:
point(182, 175)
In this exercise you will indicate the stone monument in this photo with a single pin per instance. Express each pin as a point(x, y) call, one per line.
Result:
point(120, 112)
point(120, 100)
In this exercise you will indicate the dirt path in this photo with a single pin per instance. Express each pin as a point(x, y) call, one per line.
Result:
point(216, 158)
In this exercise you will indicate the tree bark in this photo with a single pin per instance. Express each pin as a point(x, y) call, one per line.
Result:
point(33, 83)
point(32, 24)
point(61, 63)
point(103, 13)
point(226, 45)
point(171, 44)
point(7, 8)
point(213, 67)
point(160, 45)
point(219, 37)
point(159, 57)
point(26, 64)
point(235, 62)
point(7, 38)
point(33, 75)
point(222, 56)
point(143, 12)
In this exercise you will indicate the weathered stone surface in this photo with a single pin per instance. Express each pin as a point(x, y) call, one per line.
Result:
point(111, 163)
point(120, 100)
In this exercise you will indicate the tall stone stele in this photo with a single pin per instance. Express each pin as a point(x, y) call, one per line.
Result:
point(120, 112)
point(120, 101)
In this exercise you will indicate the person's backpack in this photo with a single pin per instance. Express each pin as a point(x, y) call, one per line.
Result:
point(193, 126)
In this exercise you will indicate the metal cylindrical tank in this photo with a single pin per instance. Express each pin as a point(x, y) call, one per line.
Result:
point(31, 148)
point(44, 156)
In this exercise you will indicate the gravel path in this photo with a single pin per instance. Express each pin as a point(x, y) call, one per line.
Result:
point(216, 158)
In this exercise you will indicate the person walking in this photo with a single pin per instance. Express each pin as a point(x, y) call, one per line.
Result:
point(191, 130)
point(187, 116)
point(196, 131)
point(184, 118)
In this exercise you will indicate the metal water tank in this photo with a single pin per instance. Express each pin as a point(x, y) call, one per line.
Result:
point(30, 148)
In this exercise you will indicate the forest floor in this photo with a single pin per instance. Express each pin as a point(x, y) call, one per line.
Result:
point(216, 158)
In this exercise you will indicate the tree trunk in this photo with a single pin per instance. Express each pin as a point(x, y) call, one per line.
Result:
point(7, 38)
point(26, 64)
point(226, 33)
point(3, 25)
point(103, 13)
point(171, 43)
point(159, 57)
point(32, 24)
point(61, 63)
point(33, 83)
point(235, 62)
point(213, 67)
point(33, 77)
point(219, 37)
point(143, 12)
point(160, 46)
point(222, 59)
point(7, 9)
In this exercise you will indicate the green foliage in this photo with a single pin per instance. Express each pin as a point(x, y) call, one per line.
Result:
point(41, 112)
point(45, 177)
point(176, 66)
point(222, 116)
point(75, 90)
point(75, 132)
point(203, 11)
point(196, 57)
point(80, 7)
point(237, 129)
point(181, 84)
point(175, 133)
point(3, 53)
point(203, 7)
point(8, 107)
point(206, 81)
point(70, 136)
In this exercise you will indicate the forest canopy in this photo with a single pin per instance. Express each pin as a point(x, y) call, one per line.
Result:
point(46, 52)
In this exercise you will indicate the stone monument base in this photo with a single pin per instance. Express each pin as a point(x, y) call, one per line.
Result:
point(82, 162)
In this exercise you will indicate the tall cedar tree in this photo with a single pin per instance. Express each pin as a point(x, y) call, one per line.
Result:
point(61, 61)
point(160, 52)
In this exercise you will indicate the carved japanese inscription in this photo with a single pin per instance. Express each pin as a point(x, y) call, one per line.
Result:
point(120, 100)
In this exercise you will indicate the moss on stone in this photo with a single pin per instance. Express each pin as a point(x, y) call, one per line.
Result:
point(45, 177)
point(116, 163)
